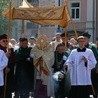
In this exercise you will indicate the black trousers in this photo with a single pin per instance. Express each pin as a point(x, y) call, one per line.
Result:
point(60, 90)
point(22, 95)
point(1, 91)
point(94, 77)
point(80, 91)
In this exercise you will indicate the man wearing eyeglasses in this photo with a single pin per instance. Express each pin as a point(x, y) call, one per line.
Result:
point(3, 42)
point(3, 61)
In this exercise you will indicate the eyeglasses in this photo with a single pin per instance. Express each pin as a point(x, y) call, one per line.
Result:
point(5, 41)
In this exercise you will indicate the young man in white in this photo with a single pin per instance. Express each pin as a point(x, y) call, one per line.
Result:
point(57, 41)
point(3, 64)
point(80, 62)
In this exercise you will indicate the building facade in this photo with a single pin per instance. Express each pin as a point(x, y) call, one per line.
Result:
point(96, 17)
point(82, 13)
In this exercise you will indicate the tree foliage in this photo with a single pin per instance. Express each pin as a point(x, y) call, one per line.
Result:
point(3, 20)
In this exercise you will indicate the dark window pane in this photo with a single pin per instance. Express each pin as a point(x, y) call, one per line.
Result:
point(77, 13)
point(31, 26)
point(75, 5)
point(29, 0)
point(73, 13)
point(33, 0)
point(47, 25)
point(44, 25)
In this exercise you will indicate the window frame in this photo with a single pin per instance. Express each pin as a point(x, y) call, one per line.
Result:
point(75, 8)
point(30, 25)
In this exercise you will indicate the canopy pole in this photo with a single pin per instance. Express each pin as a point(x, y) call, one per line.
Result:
point(76, 34)
point(73, 24)
point(22, 33)
point(23, 26)
point(65, 37)
point(8, 35)
point(9, 22)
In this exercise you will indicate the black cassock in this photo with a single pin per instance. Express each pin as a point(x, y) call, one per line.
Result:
point(24, 73)
point(62, 87)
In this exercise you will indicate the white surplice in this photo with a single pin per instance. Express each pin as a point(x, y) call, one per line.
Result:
point(79, 74)
point(3, 64)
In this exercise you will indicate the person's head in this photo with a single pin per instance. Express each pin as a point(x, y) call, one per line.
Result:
point(87, 37)
point(81, 41)
point(23, 42)
point(3, 40)
point(53, 38)
point(60, 48)
point(13, 41)
point(64, 37)
point(58, 37)
point(73, 41)
point(10, 50)
point(32, 40)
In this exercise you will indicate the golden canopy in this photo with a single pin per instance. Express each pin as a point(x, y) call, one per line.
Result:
point(56, 15)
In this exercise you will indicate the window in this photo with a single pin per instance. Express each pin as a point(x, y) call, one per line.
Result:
point(47, 26)
point(75, 10)
point(34, 2)
point(31, 26)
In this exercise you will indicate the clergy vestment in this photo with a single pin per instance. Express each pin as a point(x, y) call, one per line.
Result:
point(80, 72)
point(94, 75)
point(24, 73)
point(43, 61)
point(61, 87)
point(93, 48)
point(55, 43)
point(10, 75)
point(3, 64)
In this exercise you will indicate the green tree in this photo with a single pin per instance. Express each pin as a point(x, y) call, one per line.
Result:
point(3, 20)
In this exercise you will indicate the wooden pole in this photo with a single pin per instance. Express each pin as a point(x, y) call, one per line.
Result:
point(8, 34)
point(9, 22)
point(23, 26)
point(22, 33)
point(65, 37)
point(76, 34)
point(73, 24)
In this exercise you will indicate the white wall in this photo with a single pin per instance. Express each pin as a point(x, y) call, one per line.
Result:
point(89, 24)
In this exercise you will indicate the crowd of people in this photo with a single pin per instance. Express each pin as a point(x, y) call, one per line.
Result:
point(42, 69)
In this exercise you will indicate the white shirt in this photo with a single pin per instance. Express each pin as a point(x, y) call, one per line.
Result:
point(56, 43)
point(79, 74)
point(3, 64)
